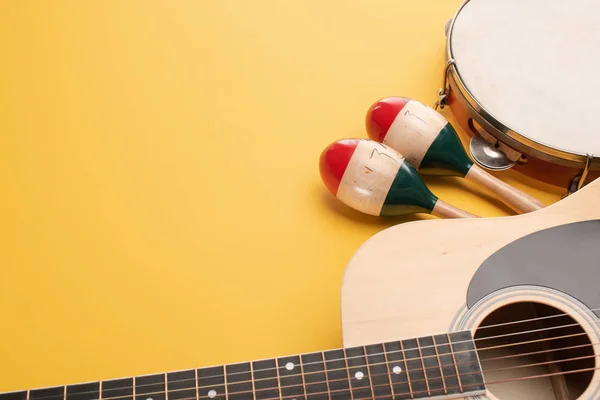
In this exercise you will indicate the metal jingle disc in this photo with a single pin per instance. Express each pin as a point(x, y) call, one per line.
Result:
point(487, 155)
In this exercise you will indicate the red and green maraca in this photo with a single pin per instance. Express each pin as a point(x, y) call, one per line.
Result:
point(431, 145)
point(377, 180)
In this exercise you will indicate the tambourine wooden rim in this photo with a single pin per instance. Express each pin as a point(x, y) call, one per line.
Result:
point(498, 129)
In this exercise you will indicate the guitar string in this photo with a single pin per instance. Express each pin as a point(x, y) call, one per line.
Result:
point(387, 363)
point(394, 351)
point(537, 352)
point(407, 372)
point(458, 342)
point(529, 377)
point(389, 352)
point(589, 311)
point(390, 383)
point(412, 393)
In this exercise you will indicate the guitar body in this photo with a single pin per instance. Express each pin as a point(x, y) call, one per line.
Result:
point(433, 276)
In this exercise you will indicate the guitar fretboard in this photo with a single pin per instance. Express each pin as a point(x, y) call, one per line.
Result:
point(441, 366)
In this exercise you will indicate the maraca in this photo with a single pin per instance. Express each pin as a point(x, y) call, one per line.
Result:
point(431, 145)
point(377, 180)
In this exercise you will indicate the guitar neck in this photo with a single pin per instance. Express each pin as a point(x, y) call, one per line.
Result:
point(441, 366)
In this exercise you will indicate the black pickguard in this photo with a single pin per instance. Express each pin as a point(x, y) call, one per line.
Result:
point(565, 258)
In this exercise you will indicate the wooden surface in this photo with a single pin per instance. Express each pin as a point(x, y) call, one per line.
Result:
point(516, 199)
point(161, 203)
point(445, 210)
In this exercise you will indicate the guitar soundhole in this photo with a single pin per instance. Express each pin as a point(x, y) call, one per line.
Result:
point(549, 356)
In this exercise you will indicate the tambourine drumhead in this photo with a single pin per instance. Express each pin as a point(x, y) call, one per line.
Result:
point(534, 66)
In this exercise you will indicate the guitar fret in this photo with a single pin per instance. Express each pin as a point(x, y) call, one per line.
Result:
point(455, 364)
point(302, 376)
point(379, 372)
point(166, 388)
point(291, 378)
point(278, 379)
point(437, 355)
point(100, 390)
point(225, 380)
point(415, 368)
point(252, 381)
point(326, 378)
point(389, 367)
point(196, 383)
point(337, 375)
point(398, 375)
point(314, 376)
point(431, 366)
point(423, 367)
point(406, 369)
point(448, 363)
point(84, 391)
point(150, 387)
point(212, 383)
point(181, 385)
point(349, 376)
point(368, 371)
point(118, 389)
point(265, 377)
point(467, 361)
point(360, 384)
point(239, 381)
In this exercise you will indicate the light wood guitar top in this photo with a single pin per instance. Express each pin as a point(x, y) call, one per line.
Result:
point(438, 254)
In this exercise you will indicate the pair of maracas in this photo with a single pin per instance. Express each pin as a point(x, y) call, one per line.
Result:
point(378, 176)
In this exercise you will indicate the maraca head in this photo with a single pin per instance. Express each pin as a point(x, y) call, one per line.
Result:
point(420, 133)
point(374, 179)
point(382, 115)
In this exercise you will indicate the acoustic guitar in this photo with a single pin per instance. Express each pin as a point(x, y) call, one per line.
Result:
point(485, 308)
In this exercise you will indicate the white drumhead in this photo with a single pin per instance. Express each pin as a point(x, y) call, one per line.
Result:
point(535, 66)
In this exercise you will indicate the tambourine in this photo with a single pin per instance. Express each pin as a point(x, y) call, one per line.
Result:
point(522, 78)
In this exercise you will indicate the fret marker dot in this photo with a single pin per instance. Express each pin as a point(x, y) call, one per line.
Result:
point(149, 398)
point(212, 394)
point(359, 375)
point(289, 366)
point(397, 369)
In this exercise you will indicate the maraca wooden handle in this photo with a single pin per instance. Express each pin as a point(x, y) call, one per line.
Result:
point(445, 210)
point(514, 198)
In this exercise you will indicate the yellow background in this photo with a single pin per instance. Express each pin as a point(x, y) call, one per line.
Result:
point(161, 204)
